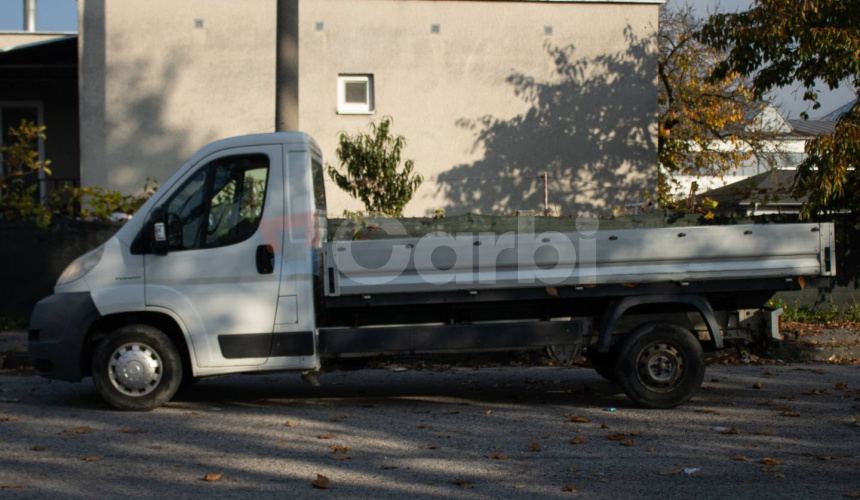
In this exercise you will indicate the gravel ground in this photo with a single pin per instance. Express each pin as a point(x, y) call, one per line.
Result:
point(430, 434)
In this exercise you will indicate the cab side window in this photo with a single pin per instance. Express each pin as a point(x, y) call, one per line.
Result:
point(221, 204)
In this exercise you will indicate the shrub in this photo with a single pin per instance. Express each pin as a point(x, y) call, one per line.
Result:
point(373, 174)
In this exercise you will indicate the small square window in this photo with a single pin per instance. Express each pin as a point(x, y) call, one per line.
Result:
point(547, 30)
point(355, 94)
point(319, 26)
point(435, 29)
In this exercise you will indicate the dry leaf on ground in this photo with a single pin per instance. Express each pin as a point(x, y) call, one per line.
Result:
point(533, 446)
point(578, 419)
point(11, 486)
point(669, 472)
point(93, 458)
point(9, 419)
point(570, 488)
point(38, 448)
point(629, 442)
point(84, 429)
point(290, 424)
point(739, 458)
point(770, 461)
point(788, 413)
point(463, 484)
point(321, 482)
point(733, 430)
point(498, 456)
point(325, 436)
point(129, 430)
point(211, 478)
point(621, 436)
point(578, 440)
point(340, 452)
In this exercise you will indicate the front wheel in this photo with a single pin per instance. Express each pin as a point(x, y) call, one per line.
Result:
point(136, 368)
point(660, 365)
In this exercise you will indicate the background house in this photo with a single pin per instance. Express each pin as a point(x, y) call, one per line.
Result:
point(763, 185)
point(39, 83)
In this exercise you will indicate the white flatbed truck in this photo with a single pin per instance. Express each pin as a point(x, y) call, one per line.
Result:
point(227, 269)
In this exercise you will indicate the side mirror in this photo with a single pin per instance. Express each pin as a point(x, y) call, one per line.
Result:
point(159, 232)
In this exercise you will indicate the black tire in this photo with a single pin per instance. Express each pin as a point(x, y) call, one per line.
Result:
point(604, 364)
point(660, 365)
point(136, 368)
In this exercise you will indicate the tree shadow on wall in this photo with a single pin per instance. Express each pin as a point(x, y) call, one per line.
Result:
point(140, 137)
point(590, 128)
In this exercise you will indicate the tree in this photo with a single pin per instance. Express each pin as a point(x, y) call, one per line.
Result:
point(706, 126)
point(373, 174)
point(780, 42)
point(19, 176)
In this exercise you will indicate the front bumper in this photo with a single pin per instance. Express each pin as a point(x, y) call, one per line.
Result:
point(58, 328)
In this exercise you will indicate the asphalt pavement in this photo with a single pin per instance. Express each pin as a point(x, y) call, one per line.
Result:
point(497, 432)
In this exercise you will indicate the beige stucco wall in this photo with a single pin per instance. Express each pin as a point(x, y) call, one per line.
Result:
point(169, 87)
point(485, 104)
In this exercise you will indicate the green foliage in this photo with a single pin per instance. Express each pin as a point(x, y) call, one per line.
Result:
point(19, 189)
point(373, 173)
point(822, 315)
point(97, 203)
point(14, 323)
point(706, 126)
point(780, 42)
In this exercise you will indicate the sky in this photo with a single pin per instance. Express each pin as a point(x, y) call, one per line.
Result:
point(62, 15)
point(51, 15)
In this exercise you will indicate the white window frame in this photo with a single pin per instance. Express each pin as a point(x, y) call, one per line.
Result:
point(345, 108)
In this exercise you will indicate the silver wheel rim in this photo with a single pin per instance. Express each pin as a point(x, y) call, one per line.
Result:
point(660, 366)
point(135, 369)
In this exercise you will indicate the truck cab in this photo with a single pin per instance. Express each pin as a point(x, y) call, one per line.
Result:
point(228, 278)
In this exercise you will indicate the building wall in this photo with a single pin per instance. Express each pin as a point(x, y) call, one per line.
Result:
point(155, 87)
point(9, 39)
point(487, 105)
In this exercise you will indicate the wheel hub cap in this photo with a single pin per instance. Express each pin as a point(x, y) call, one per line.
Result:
point(135, 369)
point(660, 366)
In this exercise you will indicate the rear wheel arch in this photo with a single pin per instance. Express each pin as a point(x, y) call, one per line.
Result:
point(162, 321)
point(617, 308)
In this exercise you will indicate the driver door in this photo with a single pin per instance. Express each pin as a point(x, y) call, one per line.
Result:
point(212, 277)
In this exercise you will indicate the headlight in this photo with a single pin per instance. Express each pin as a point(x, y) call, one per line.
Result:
point(81, 266)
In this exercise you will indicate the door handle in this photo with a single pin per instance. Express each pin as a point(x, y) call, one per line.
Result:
point(265, 259)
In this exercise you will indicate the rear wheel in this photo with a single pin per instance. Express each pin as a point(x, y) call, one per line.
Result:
point(660, 365)
point(137, 368)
